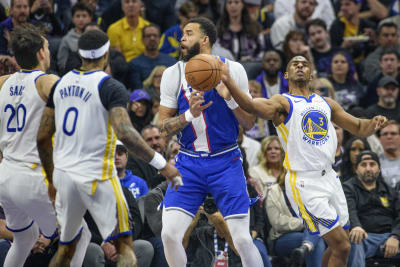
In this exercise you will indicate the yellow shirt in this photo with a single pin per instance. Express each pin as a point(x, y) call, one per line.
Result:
point(128, 40)
point(349, 29)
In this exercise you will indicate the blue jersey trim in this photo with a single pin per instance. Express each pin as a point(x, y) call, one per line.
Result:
point(223, 59)
point(102, 81)
point(308, 99)
point(290, 110)
point(327, 103)
point(27, 71)
point(84, 72)
point(69, 242)
point(19, 230)
point(39, 76)
point(347, 226)
point(111, 238)
point(52, 236)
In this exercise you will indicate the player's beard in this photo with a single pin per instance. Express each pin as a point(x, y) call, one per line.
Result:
point(191, 52)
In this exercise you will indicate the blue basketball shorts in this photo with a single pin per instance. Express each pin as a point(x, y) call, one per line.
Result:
point(222, 176)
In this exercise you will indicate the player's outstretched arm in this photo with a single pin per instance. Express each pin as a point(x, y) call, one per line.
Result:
point(135, 144)
point(356, 126)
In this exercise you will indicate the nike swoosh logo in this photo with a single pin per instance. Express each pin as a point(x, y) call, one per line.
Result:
point(297, 101)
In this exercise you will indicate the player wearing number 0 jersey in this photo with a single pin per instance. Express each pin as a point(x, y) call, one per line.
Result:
point(87, 112)
point(23, 192)
point(303, 121)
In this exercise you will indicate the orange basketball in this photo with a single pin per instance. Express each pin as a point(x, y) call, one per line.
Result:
point(202, 72)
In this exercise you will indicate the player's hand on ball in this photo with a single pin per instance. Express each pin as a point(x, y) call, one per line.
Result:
point(379, 121)
point(196, 103)
point(172, 174)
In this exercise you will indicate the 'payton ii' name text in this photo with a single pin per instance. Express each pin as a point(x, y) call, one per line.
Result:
point(75, 91)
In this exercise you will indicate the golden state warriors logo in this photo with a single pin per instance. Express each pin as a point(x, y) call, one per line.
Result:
point(315, 127)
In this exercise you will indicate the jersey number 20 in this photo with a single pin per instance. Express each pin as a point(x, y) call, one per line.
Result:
point(16, 113)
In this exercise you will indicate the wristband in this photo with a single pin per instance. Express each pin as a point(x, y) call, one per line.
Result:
point(232, 104)
point(188, 116)
point(158, 161)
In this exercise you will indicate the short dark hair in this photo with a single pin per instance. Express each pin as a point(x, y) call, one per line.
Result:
point(91, 24)
point(188, 7)
point(150, 126)
point(389, 52)
point(316, 22)
point(91, 40)
point(26, 41)
point(388, 24)
point(207, 27)
point(79, 6)
point(151, 25)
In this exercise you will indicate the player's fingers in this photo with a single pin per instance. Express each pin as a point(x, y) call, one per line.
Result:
point(365, 235)
point(203, 107)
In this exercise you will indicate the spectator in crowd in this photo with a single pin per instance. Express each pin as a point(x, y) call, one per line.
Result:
point(389, 62)
point(270, 166)
point(304, 9)
point(287, 231)
point(387, 105)
point(141, 66)
point(323, 10)
point(155, 108)
point(153, 81)
point(394, 15)
point(374, 211)
point(42, 14)
point(236, 27)
point(111, 14)
point(349, 24)
point(271, 77)
point(375, 10)
point(339, 150)
point(139, 109)
point(296, 44)
point(388, 39)
point(172, 37)
point(352, 148)
point(390, 158)
point(207, 8)
point(161, 13)
point(348, 90)
point(323, 87)
point(135, 184)
point(251, 147)
point(322, 50)
point(263, 15)
point(172, 150)
point(126, 34)
point(94, 6)
point(261, 127)
point(81, 15)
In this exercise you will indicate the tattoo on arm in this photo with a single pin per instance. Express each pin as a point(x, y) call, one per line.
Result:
point(128, 135)
point(173, 125)
point(44, 142)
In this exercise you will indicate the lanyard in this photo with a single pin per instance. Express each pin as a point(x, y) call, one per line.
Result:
point(216, 244)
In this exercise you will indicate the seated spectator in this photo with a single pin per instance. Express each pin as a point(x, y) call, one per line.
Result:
point(262, 15)
point(342, 75)
point(375, 10)
point(251, 147)
point(352, 148)
point(261, 126)
point(172, 37)
point(135, 184)
point(388, 92)
point(374, 210)
point(323, 10)
point(350, 25)
point(81, 15)
point(139, 109)
point(339, 149)
point(287, 233)
point(153, 82)
point(390, 158)
point(42, 14)
point(296, 44)
point(141, 66)
point(126, 34)
point(304, 9)
point(270, 166)
point(208, 9)
point(271, 78)
point(389, 62)
point(236, 27)
point(161, 13)
point(321, 47)
point(323, 87)
point(112, 13)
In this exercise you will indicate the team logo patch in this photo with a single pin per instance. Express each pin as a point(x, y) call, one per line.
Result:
point(315, 127)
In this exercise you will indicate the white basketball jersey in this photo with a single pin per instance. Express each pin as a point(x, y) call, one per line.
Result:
point(85, 141)
point(307, 135)
point(21, 110)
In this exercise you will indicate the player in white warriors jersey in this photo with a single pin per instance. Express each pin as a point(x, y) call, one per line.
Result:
point(87, 112)
point(23, 192)
point(303, 120)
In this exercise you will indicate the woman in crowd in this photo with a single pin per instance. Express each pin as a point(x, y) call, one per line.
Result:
point(152, 83)
point(140, 109)
point(261, 128)
point(343, 77)
point(238, 33)
point(352, 148)
point(270, 166)
point(323, 87)
point(296, 44)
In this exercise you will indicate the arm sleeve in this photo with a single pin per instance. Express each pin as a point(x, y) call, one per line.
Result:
point(113, 94)
point(169, 88)
point(352, 205)
point(50, 101)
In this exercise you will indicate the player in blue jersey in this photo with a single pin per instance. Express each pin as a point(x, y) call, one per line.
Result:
point(209, 159)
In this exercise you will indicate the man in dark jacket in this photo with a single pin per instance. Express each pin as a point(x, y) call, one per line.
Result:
point(374, 209)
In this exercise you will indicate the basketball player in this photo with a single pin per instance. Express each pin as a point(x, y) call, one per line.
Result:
point(209, 159)
point(303, 121)
point(23, 193)
point(84, 109)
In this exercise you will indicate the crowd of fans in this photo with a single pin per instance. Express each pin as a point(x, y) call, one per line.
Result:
point(354, 49)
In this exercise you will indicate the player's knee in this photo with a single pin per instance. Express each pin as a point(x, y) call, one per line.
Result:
point(242, 241)
point(342, 247)
point(171, 235)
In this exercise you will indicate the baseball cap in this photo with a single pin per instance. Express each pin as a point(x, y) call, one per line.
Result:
point(139, 94)
point(253, 2)
point(120, 145)
point(357, 1)
point(386, 80)
point(367, 155)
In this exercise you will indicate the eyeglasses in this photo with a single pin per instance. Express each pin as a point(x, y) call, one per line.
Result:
point(151, 35)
